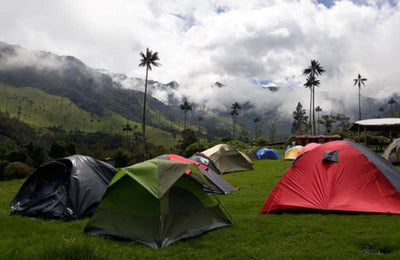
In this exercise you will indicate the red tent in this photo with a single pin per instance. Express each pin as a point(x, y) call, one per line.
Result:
point(220, 184)
point(338, 175)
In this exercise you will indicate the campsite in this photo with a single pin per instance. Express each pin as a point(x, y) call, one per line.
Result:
point(323, 235)
point(199, 129)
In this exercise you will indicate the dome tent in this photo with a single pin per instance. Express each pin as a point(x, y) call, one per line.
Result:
point(392, 151)
point(218, 184)
point(228, 159)
point(292, 152)
point(338, 175)
point(308, 148)
point(266, 153)
point(201, 158)
point(155, 203)
point(68, 188)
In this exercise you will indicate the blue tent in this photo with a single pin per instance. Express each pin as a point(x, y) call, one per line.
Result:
point(265, 153)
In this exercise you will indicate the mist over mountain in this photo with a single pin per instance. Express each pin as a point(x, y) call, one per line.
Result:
point(97, 90)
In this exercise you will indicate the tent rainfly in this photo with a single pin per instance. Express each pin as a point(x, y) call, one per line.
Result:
point(68, 188)
point(392, 152)
point(266, 153)
point(228, 159)
point(338, 176)
point(292, 152)
point(218, 184)
point(157, 203)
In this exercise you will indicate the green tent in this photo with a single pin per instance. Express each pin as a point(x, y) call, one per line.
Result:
point(156, 203)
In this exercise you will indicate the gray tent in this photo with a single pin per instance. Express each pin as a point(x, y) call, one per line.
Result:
point(228, 159)
point(392, 151)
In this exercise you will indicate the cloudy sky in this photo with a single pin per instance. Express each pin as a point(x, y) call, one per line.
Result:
point(242, 44)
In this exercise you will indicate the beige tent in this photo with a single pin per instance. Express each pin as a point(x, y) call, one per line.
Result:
point(228, 159)
point(292, 152)
point(392, 152)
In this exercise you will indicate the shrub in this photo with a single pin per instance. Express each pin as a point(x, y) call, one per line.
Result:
point(261, 141)
point(239, 145)
point(3, 166)
point(17, 156)
point(120, 157)
point(17, 170)
point(195, 147)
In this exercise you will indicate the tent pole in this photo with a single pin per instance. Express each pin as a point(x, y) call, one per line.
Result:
point(358, 130)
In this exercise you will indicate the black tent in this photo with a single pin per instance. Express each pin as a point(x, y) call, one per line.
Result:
point(68, 188)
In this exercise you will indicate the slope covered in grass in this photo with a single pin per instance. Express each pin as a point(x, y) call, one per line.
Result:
point(253, 236)
point(39, 109)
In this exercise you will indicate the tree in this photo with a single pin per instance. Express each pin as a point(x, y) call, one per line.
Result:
point(186, 107)
point(327, 121)
point(147, 60)
point(343, 121)
point(199, 119)
point(382, 110)
point(318, 109)
point(257, 127)
point(70, 148)
point(188, 137)
point(57, 151)
point(359, 81)
point(391, 102)
point(299, 119)
point(312, 72)
point(272, 130)
point(127, 132)
point(234, 113)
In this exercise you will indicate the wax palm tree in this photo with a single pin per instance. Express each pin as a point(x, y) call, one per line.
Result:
point(318, 109)
point(147, 60)
point(127, 130)
point(381, 110)
point(310, 83)
point(199, 119)
point(391, 102)
point(256, 132)
point(234, 113)
point(312, 72)
point(186, 107)
point(358, 82)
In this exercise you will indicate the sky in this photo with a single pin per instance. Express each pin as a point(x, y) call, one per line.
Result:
point(243, 44)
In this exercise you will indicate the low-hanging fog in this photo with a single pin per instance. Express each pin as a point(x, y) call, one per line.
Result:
point(245, 45)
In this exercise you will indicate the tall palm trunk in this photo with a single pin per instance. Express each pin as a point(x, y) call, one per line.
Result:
point(144, 112)
point(318, 122)
point(313, 110)
point(359, 101)
point(184, 125)
point(310, 118)
point(233, 126)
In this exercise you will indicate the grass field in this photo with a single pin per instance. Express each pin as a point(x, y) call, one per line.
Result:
point(253, 236)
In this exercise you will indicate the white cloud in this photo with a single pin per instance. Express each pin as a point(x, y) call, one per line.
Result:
point(198, 45)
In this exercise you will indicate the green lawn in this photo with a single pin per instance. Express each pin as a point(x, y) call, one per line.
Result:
point(253, 236)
